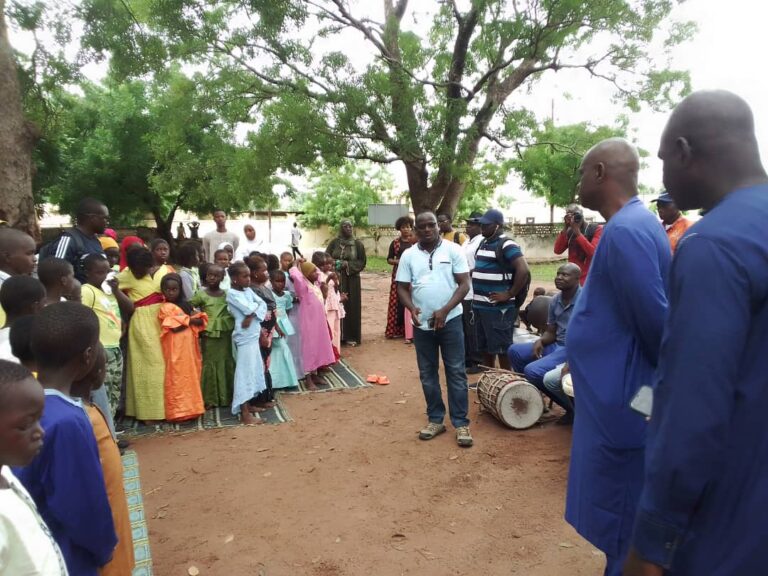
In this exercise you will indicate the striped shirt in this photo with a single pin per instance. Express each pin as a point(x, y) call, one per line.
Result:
point(489, 275)
point(75, 250)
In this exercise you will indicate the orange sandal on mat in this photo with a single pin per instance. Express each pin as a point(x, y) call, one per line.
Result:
point(372, 379)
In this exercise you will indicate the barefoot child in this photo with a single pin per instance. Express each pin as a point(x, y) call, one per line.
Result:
point(294, 342)
point(334, 302)
point(282, 367)
point(27, 546)
point(145, 363)
point(316, 347)
point(248, 310)
point(65, 479)
point(180, 325)
point(259, 285)
point(110, 309)
point(218, 364)
point(122, 561)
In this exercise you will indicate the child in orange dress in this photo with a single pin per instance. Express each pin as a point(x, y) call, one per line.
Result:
point(180, 326)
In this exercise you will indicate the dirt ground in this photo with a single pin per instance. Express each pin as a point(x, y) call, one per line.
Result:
point(348, 488)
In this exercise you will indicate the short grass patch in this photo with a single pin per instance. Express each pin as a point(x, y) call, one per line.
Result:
point(377, 264)
point(544, 272)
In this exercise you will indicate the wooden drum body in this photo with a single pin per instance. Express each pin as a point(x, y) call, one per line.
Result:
point(510, 398)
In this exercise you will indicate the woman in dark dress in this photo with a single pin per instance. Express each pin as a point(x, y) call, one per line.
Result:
point(348, 254)
point(395, 310)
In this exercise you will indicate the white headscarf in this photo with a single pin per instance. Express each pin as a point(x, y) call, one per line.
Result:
point(245, 247)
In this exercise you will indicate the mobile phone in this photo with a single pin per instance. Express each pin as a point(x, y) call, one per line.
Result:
point(642, 403)
point(431, 323)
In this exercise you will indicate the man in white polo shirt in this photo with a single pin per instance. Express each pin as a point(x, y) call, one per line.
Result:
point(432, 279)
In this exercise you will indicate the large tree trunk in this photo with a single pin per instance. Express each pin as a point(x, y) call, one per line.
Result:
point(165, 228)
point(17, 206)
point(451, 196)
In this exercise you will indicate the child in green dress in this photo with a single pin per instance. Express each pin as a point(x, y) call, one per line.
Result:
point(218, 375)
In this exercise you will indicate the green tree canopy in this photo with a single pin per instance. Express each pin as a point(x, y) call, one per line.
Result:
point(431, 96)
point(344, 192)
point(150, 148)
point(549, 166)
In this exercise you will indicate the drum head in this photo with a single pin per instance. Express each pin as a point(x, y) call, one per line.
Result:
point(520, 405)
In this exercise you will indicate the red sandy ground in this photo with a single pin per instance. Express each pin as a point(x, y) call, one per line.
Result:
point(348, 489)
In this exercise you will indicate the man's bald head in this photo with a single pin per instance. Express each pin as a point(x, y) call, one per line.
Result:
point(570, 268)
point(709, 148)
point(609, 170)
point(567, 277)
point(17, 252)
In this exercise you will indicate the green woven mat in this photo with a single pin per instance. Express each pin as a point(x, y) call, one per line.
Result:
point(337, 377)
point(139, 526)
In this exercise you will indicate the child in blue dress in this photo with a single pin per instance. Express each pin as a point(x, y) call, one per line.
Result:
point(283, 368)
point(249, 311)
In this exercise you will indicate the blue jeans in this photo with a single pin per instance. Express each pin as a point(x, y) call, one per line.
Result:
point(448, 342)
point(523, 361)
point(553, 388)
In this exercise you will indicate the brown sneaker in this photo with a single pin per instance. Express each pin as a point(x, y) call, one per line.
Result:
point(463, 437)
point(431, 430)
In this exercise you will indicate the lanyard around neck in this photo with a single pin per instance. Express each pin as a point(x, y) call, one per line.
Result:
point(432, 253)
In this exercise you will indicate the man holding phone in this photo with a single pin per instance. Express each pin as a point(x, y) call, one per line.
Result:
point(432, 279)
point(579, 238)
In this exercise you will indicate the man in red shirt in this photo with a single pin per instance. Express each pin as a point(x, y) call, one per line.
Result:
point(674, 222)
point(579, 239)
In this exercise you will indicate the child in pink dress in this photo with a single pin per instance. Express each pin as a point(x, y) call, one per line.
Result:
point(316, 347)
point(334, 302)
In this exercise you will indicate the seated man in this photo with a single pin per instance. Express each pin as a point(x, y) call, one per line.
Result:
point(553, 388)
point(536, 359)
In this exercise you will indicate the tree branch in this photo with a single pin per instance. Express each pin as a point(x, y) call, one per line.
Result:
point(493, 138)
point(457, 13)
point(377, 159)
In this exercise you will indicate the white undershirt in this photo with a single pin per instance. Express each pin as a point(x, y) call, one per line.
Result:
point(27, 547)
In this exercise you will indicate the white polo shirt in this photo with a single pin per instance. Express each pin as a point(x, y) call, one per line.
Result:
point(431, 275)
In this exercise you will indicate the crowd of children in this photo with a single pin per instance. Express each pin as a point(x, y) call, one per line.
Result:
point(143, 339)
point(180, 339)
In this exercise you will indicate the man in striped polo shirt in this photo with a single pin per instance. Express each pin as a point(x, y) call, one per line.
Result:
point(500, 274)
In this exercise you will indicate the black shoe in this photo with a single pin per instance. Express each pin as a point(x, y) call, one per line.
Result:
point(565, 420)
point(123, 445)
point(474, 370)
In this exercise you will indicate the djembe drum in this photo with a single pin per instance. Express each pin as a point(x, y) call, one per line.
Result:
point(510, 398)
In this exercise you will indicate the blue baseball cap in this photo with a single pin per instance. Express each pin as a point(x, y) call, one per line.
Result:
point(492, 216)
point(664, 198)
point(474, 218)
